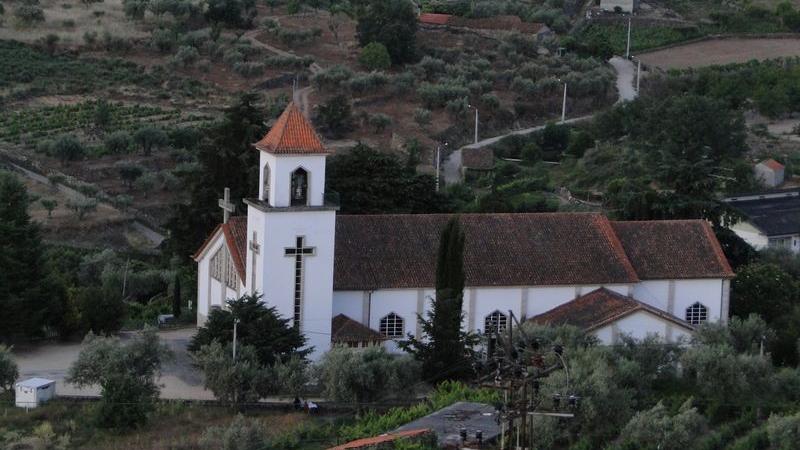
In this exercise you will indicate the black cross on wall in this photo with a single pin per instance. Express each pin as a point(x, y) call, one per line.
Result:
point(299, 252)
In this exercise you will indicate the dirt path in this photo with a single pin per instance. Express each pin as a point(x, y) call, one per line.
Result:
point(152, 235)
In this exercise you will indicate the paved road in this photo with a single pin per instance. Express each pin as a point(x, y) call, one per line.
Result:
point(626, 73)
point(179, 380)
point(625, 78)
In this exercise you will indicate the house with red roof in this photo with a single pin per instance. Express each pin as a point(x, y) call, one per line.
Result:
point(770, 173)
point(364, 279)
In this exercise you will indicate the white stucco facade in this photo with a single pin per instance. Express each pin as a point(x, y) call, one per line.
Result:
point(671, 296)
point(639, 325)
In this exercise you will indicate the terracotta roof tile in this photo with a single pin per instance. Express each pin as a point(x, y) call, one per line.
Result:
point(235, 232)
point(345, 329)
point(477, 158)
point(598, 308)
point(382, 439)
point(236, 237)
point(291, 134)
point(399, 251)
point(673, 249)
point(772, 164)
point(434, 19)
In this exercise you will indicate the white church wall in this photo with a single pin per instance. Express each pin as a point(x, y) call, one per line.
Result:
point(281, 168)
point(489, 300)
point(255, 223)
point(209, 290)
point(349, 303)
point(654, 293)
point(709, 292)
point(281, 230)
point(638, 325)
point(544, 298)
point(402, 302)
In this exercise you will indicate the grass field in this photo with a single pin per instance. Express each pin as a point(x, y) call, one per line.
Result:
point(721, 52)
point(173, 426)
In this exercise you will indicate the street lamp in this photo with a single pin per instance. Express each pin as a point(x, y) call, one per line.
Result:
point(438, 163)
point(476, 121)
point(628, 47)
point(235, 323)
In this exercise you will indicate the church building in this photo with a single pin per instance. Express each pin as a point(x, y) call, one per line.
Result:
point(362, 279)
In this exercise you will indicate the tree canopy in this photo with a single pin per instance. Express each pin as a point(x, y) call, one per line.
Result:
point(371, 182)
point(392, 23)
point(261, 327)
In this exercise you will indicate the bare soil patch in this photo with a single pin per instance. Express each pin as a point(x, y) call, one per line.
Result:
point(720, 52)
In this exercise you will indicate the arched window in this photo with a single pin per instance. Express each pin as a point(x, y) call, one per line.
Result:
point(392, 326)
point(495, 322)
point(696, 314)
point(265, 180)
point(299, 194)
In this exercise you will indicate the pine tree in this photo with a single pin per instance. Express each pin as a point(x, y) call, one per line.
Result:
point(447, 352)
point(20, 262)
point(227, 159)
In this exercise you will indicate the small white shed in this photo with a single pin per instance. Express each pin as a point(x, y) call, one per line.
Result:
point(33, 392)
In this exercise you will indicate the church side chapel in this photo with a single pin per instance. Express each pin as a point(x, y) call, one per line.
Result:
point(362, 280)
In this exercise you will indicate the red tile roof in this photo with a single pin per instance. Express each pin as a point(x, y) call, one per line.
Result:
point(477, 158)
point(235, 232)
point(597, 309)
point(772, 164)
point(291, 134)
point(673, 249)
point(345, 329)
point(544, 249)
point(399, 251)
point(384, 438)
point(434, 19)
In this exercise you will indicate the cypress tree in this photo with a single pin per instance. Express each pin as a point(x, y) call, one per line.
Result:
point(447, 352)
point(23, 312)
point(176, 296)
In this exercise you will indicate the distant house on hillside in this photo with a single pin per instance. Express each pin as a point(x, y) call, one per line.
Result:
point(476, 160)
point(497, 24)
point(770, 173)
point(770, 219)
point(626, 6)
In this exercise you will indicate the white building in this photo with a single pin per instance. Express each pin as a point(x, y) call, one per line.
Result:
point(770, 173)
point(379, 270)
point(33, 392)
point(626, 6)
point(769, 219)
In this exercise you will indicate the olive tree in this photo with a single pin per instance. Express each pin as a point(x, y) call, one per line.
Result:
point(126, 373)
point(8, 369)
point(356, 375)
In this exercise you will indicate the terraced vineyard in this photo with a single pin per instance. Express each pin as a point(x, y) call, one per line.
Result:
point(31, 125)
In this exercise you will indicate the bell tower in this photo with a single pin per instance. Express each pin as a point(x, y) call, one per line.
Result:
point(293, 267)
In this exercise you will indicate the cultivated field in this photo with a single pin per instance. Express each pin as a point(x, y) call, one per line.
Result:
point(720, 52)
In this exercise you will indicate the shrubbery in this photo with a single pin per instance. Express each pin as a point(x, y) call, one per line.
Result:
point(374, 56)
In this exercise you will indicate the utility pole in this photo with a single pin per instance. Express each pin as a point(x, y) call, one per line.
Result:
point(628, 49)
point(235, 323)
point(476, 121)
point(638, 74)
point(564, 105)
point(516, 368)
point(439, 162)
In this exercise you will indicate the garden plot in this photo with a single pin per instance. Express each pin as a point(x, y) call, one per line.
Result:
point(720, 52)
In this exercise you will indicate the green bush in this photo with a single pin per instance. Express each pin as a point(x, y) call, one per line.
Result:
point(28, 13)
point(118, 142)
point(68, 148)
point(374, 56)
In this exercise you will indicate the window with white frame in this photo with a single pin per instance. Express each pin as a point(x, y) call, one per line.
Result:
point(223, 269)
point(696, 314)
point(495, 322)
point(392, 326)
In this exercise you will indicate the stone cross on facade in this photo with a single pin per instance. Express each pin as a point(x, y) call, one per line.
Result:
point(255, 248)
point(226, 205)
point(299, 251)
